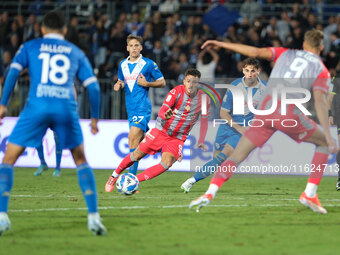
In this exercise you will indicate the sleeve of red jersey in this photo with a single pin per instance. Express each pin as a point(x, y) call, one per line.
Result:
point(168, 103)
point(323, 81)
point(276, 52)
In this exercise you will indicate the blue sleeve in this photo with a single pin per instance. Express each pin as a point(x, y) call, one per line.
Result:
point(228, 101)
point(154, 71)
point(10, 81)
point(94, 95)
point(120, 73)
point(20, 60)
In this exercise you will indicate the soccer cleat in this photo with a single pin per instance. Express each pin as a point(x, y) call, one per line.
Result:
point(5, 223)
point(313, 203)
point(56, 173)
point(337, 186)
point(110, 185)
point(200, 202)
point(95, 225)
point(186, 186)
point(40, 170)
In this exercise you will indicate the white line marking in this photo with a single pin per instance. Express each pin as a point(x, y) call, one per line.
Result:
point(155, 207)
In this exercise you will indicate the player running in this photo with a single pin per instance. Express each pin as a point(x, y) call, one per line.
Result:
point(228, 135)
point(136, 74)
point(178, 114)
point(294, 71)
point(52, 64)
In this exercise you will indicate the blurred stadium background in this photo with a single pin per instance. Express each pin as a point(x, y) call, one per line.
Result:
point(173, 31)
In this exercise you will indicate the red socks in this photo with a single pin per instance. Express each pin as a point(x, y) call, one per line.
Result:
point(151, 172)
point(319, 163)
point(224, 173)
point(126, 162)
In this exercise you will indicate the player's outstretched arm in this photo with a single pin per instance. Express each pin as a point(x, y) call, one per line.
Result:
point(154, 84)
point(243, 49)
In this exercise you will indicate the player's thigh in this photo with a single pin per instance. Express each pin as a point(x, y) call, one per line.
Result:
point(152, 142)
point(173, 146)
point(135, 136)
point(68, 132)
point(12, 153)
point(243, 149)
point(29, 130)
point(318, 137)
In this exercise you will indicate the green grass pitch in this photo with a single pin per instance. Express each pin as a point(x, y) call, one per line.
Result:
point(252, 214)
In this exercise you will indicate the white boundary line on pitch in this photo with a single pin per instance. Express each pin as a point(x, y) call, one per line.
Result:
point(151, 207)
point(160, 197)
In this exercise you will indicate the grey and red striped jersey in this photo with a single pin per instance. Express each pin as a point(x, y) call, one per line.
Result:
point(186, 112)
point(297, 69)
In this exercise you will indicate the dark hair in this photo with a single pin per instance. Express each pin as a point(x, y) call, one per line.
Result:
point(251, 62)
point(207, 58)
point(54, 20)
point(192, 71)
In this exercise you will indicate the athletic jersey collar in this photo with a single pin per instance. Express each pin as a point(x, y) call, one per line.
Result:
point(258, 84)
point(54, 36)
point(136, 61)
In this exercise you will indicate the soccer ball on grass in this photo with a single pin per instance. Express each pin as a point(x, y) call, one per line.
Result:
point(127, 184)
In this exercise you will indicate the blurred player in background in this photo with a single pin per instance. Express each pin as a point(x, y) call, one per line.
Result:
point(302, 69)
point(334, 119)
point(43, 165)
point(180, 111)
point(228, 135)
point(52, 64)
point(136, 74)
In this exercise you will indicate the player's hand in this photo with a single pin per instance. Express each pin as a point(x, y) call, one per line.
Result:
point(331, 120)
point(142, 81)
point(202, 146)
point(168, 114)
point(332, 147)
point(209, 44)
point(118, 85)
point(94, 126)
point(3, 111)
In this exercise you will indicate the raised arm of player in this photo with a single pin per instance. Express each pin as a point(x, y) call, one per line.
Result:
point(250, 51)
point(159, 81)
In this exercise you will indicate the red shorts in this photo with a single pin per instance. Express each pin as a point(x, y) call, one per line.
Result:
point(294, 124)
point(155, 140)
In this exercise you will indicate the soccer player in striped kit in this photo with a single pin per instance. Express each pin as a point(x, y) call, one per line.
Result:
point(180, 111)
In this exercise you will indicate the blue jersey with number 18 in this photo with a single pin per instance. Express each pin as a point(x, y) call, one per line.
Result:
point(53, 64)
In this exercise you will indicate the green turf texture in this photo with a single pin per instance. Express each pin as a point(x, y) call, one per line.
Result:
point(252, 214)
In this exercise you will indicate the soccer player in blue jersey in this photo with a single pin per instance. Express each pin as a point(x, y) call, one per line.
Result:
point(43, 165)
point(52, 64)
point(137, 74)
point(229, 134)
